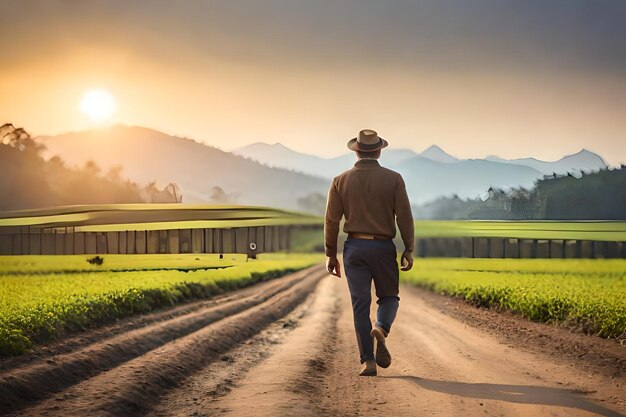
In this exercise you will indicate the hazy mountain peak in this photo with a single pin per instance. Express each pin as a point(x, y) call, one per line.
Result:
point(258, 144)
point(281, 156)
point(262, 146)
point(196, 167)
point(494, 158)
point(149, 155)
point(583, 152)
point(435, 153)
point(433, 148)
point(584, 159)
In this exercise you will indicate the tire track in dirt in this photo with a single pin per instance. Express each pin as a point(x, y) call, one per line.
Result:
point(295, 354)
point(288, 381)
point(176, 337)
point(73, 343)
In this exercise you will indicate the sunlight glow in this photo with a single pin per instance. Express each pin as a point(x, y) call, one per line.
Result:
point(99, 105)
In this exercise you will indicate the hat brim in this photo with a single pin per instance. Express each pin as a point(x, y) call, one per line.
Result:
point(354, 145)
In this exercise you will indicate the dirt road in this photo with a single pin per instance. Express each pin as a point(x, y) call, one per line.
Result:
point(287, 347)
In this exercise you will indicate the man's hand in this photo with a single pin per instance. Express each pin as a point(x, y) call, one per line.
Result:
point(332, 266)
point(407, 261)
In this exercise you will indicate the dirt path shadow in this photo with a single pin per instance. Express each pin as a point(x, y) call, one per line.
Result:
point(522, 394)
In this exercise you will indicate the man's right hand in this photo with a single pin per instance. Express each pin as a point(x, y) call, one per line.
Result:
point(407, 261)
point(332, 266)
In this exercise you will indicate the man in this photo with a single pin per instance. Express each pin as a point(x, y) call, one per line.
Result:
point(372, 199)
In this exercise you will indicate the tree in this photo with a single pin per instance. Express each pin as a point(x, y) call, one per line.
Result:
point(173, 190)
point(29, 181)
point(91, 168)
point(169, 194)
point(576, 196)
point(219, 196)
point(115, 173)
point(23, 182)
point(18, 138)
point(314, 203)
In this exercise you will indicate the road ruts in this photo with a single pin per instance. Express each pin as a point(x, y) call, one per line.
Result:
point(127, 373)
point(292, 352)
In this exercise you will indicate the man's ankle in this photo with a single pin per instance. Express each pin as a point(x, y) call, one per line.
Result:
point(382, 330)
point(369, 368)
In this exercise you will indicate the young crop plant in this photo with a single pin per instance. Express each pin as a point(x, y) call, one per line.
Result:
point(589, 294)
point(42, 298)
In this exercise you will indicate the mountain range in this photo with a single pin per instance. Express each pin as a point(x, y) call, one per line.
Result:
point(433, 172)
point(275, 175)
point(149, 155)
point(583, 160)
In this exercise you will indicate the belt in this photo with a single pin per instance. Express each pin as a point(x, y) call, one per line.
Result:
point(365, 236)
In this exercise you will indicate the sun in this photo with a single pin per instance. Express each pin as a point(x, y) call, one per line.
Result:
point(98, 104)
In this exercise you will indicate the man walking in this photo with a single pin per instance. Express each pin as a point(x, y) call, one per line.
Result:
point(372, 199)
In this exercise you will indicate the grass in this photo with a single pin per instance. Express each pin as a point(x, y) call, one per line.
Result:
point(44, 297)
point(199, 224)
point(307, 240)
point(574, 230)
point(120, 217)
point(589, 294)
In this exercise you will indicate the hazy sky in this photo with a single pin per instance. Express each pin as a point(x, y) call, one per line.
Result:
point(509, 77)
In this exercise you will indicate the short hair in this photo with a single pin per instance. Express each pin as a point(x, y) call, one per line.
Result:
point(363, 154)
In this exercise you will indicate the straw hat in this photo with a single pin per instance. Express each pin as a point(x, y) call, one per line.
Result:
point(367, 141)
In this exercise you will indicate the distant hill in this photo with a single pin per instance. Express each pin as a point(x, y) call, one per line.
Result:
point(278, 155)
point(392, 157)
point(583, 160)
point(147, 155)
point(430, 174)
point(427, 179)
point(275, 175)
point(598, 195)
point(435, 153)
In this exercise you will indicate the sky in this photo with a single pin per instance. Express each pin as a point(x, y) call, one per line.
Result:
point(476, 77)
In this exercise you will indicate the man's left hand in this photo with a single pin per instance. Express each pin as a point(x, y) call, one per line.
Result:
point(407, 261)
point(332, 266)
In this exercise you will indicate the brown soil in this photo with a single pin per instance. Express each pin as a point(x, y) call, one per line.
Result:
point(287, 347)
point(592, 353)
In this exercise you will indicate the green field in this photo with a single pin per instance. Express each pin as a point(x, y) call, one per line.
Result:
point(588, 294)
point(121, 217)
point(43, 297)
point(574, 230)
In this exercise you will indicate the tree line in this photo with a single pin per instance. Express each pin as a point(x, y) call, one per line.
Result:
point(597, 195)
point(30, 181)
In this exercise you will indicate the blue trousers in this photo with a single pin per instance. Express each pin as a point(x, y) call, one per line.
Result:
point(366, 260)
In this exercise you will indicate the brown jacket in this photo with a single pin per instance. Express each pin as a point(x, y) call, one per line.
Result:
point(373, 199)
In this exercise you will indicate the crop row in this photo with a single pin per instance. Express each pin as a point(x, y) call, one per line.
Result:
point(589, 294)
point(568, 230)
point(35, 308)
